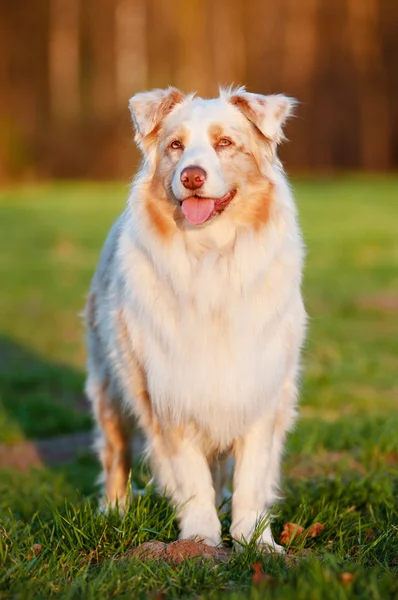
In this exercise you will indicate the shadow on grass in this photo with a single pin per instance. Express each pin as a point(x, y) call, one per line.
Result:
point(40, 399)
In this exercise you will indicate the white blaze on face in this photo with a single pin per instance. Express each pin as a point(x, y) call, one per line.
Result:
point(197, 118)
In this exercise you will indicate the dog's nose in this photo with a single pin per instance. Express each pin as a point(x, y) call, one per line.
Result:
point(193, 177)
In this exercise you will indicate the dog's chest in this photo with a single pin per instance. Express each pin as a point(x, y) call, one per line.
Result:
point(212, 345)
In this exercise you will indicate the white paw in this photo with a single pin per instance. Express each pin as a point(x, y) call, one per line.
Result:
point(200, 522)
point(244, 528)
point(269, 545)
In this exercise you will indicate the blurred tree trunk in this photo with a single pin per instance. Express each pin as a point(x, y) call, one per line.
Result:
point(364, 36)
point(263, 25)
point(161, 42)
point(301, 42)
point(130, 49)
point(101, 48)
point(193, 44)
point(5, 87)
point(64, 60)
point(389, 59)
point(333, 114)
point(229, 47)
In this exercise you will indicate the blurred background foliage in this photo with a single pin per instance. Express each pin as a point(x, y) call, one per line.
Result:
point(68, 68)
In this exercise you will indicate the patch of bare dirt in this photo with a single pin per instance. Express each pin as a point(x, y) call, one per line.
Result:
point(177, 552)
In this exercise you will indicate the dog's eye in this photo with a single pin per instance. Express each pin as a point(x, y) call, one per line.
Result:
point(176, 145)
point(224, 142)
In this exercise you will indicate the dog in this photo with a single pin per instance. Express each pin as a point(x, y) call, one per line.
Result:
point(195, 318)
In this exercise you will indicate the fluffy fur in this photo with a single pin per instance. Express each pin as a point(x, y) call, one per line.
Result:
point(194, 331)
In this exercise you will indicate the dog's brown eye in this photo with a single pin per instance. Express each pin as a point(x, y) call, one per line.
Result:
point(176, 145)
point(224, 142)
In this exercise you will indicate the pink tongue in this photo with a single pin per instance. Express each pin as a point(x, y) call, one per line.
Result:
point(197, 210)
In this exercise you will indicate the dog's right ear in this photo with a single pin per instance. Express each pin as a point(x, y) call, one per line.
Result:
point(148, 110)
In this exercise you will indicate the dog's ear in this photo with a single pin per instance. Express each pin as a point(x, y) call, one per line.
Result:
point(148, 109)
point(266, 113)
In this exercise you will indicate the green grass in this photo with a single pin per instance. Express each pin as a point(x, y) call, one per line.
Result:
point(341, 463)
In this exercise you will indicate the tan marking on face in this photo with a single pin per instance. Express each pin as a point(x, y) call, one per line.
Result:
point(215, 133)
point(152, 138)
point(160, 215)
point(256, 207)
point(163, 215)
point(160, 210)
point(252, 205)
point(181, 134)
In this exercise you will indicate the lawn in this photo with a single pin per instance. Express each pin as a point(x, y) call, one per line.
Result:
point(341, 465)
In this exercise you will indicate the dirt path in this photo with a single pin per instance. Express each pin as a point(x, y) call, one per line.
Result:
point(57, 450)
point(52, 451)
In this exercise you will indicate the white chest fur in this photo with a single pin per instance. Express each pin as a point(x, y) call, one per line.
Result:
point(214, 329)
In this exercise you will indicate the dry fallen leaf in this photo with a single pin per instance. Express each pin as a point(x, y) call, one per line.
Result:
point(315, 530)
point(37, 549)
point(290, 531)
point(369, 535)
point(260, 577)
point(346, 578)
point(347, 511)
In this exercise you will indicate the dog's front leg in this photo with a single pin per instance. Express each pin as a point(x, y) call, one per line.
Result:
point(190, 485)
point(250, 500)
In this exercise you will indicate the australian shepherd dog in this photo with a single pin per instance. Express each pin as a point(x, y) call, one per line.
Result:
point(195, 317)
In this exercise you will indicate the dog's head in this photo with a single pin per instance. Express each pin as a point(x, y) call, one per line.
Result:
point(211, 156)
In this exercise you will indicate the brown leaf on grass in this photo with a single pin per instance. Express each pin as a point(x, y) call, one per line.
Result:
point(347, 511)
point(369, 535)
point(346, 578)
point(37, 549)
point(259, 577)
point(315, 530)
point(290, 532)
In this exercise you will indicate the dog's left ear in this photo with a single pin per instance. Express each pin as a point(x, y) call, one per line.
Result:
point(148, 109)
point(266, 113)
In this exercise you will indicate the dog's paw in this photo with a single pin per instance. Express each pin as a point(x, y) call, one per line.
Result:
point(200, 522)
point(270, 547)
point(247, 527)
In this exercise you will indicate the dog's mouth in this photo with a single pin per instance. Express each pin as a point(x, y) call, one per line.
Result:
point(197, 209)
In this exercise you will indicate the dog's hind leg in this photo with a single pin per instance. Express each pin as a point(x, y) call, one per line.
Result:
point(284, 420)
point(113, 442)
